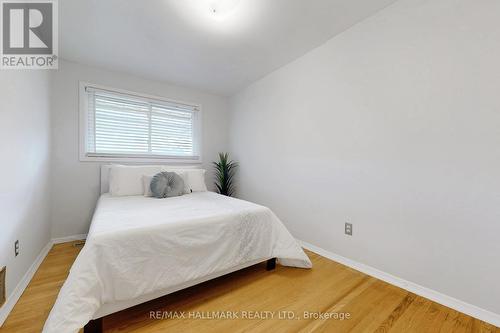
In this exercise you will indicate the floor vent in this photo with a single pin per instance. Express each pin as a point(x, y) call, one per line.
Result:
point(2, 285)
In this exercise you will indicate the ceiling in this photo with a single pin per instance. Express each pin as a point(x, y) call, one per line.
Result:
point(219, 46)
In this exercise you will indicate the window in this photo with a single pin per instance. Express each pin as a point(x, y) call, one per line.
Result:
point(123, 126)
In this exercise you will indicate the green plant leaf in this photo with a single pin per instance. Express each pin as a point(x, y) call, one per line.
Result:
point(225, 170)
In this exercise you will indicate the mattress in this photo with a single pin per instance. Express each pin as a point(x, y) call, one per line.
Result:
point(138, 246)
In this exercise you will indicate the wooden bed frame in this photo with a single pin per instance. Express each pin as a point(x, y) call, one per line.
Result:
point(96, 325)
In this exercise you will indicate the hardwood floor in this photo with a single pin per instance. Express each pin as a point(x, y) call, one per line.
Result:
point(329, 288)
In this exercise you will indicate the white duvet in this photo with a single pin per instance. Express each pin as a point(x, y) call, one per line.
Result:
point(138, 245)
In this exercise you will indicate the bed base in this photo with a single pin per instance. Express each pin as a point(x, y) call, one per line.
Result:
point(271, 264)
point(96, 325)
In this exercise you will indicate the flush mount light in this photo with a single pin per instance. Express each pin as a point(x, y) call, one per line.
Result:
point(223, 8)
point(224, 17)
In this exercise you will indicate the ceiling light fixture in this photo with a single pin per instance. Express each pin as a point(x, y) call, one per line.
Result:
point(223, 8)
point(226, 17)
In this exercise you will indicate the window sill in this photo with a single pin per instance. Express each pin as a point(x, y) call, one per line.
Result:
point(141, 159)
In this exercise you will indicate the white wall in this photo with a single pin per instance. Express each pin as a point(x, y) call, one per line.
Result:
point(394, 125)
point(76, 184)
point(24, 171)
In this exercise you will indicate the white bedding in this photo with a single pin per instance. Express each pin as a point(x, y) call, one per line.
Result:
point(138, 245)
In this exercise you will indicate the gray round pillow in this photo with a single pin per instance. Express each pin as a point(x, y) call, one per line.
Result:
point(166, 185)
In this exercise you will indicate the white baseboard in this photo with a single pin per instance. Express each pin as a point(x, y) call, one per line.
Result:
point(21, 286)
point(433, 295)
point(69, 239)
point(469, 309)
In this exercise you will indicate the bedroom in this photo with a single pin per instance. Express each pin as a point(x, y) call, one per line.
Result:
point(363, 194)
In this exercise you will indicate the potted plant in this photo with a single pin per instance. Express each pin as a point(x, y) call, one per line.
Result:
point(225, 170)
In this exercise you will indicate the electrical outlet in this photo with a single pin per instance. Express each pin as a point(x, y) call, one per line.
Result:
point(348, 229)
point(2, 285)
point(16, 248)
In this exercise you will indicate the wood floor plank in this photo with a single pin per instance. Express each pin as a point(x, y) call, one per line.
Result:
point(32, 309)
point(388, 323)
point(367, 311)
point(329, 287)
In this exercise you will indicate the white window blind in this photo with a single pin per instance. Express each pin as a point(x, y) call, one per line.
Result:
point(128, 126)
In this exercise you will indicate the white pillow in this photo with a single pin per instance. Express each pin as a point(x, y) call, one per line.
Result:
point(194, 179)
point(146, 185)
point(126, 180)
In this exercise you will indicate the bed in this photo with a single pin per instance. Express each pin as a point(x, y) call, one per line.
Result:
point(141, 248)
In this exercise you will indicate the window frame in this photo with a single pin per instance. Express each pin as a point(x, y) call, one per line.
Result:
point(104, 157)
